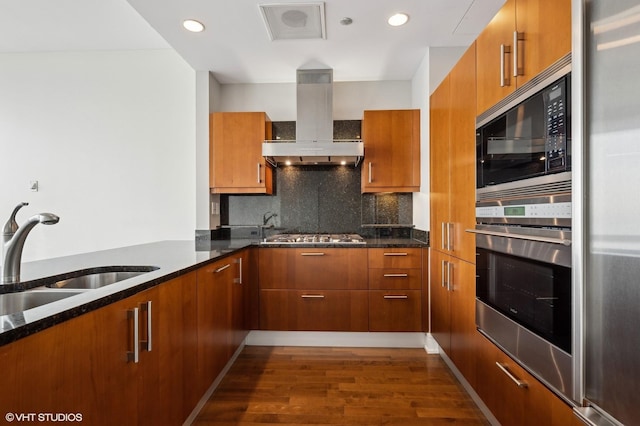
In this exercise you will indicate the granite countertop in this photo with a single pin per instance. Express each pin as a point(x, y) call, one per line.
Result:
point(172, 258)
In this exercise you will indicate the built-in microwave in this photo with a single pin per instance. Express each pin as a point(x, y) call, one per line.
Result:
point(529, 138)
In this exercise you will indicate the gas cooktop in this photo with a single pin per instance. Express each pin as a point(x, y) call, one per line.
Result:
point(354, 239)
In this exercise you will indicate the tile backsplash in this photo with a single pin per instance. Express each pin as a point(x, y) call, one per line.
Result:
point(320, 198)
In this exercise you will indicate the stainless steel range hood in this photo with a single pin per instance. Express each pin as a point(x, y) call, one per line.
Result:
point(314, 143)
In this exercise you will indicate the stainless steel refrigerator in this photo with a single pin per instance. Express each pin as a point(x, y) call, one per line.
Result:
point(609, 60)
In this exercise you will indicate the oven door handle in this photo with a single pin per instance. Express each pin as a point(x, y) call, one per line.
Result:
point(561, 241)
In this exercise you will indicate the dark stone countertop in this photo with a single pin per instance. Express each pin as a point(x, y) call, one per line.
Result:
point(173, 258)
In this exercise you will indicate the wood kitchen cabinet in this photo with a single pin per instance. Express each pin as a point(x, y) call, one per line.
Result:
point(84, 365)
point(314, 268)
point(395, 289)
point(313, 289)
point(513, 395)
point(236, 162)
point(220, 296)
point(314, 310)
point(391, 151)
point(453, 310)
point(452, 160)
point(524, 38)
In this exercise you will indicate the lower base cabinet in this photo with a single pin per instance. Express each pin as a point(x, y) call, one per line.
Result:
point(395, 310)
point(314, 310)
point(513, 395)
point(86, 367)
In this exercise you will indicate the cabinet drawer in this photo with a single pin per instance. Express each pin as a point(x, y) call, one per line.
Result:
point(395, 279)
point(394, 257)
point(313, 268)
point(395, 310)
point(314, 310)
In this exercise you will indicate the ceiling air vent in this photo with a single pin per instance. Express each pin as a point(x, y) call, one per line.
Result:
point(294, 21)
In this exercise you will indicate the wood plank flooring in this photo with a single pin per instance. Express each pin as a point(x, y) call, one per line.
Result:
point(339, 386)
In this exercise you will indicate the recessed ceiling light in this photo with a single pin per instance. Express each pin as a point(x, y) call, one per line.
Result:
point(398, 19)
point(346, 21)
point(193, 25)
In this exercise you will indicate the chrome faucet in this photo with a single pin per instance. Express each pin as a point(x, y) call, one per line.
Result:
point(13, 238)
point(267, 217)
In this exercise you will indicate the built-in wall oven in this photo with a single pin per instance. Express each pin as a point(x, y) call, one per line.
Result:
point(524, 300)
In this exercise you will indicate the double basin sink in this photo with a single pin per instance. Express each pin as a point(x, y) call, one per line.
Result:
point(62, 286)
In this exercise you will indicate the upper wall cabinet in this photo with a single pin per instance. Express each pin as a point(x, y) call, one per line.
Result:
point(236, 164)
point(524, 38)
point(391, 151)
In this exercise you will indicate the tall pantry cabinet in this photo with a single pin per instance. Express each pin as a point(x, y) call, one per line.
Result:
point(452, 168)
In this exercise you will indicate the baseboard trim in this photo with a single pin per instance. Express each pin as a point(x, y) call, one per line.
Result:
point(336, 339)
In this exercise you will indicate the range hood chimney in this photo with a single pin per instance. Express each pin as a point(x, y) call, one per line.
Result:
point(314, 144)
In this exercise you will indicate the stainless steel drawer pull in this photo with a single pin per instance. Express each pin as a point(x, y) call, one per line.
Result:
point(396, 296)
point(505, 370)
point(222, 268)
point(312, 254)
point(134, 355)
point(396, 275)
point(147, 344)
point(259, 177)
point(312, 296)
point(396, 254)
point(370, 172)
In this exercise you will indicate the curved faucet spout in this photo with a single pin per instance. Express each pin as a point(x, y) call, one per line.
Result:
point(13, 247)
point(11, 226)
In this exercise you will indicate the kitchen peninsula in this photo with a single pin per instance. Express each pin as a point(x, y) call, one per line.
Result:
point(171, 331)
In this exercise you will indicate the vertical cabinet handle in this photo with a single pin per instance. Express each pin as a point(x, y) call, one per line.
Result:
point(370, 172)
point(239, 279)
point(517, 69)
point(504, 76)
point(134, 354)
point(442, 273)
point(449, 286)
point(505, 370)
point(147, 344)
point(259, 177)
point(446, 236)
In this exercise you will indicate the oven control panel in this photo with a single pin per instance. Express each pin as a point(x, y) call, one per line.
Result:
point(528, 211)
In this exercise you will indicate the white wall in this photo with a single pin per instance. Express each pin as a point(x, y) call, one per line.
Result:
point(436, 64)
point(110, 136)
point(350, 99)
point(420, 99)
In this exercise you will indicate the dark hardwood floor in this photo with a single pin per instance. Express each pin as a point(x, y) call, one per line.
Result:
point(339, 386)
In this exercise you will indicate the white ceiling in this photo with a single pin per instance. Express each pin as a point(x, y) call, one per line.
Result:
point(236, 47)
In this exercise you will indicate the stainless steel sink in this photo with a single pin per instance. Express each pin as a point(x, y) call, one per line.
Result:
point(12, 303)
point(100, 277)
